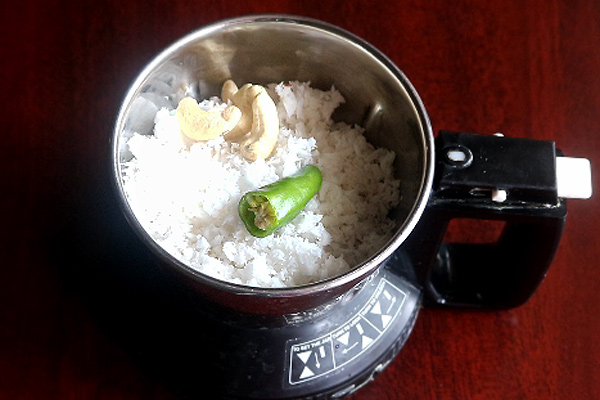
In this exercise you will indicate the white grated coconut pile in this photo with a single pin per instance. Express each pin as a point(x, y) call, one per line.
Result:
point(187, 199)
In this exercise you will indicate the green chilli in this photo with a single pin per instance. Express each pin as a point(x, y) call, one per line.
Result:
point(269, 208)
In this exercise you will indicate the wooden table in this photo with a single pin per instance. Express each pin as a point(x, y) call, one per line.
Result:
point(528, 69)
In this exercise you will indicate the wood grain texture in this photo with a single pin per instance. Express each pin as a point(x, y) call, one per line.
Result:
point(528, 69)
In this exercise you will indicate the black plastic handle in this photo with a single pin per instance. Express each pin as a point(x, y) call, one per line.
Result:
point(489, 178)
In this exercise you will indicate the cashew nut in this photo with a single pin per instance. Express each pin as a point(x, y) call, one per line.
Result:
point(198, 124)
point(243, 99)
point(258, 128)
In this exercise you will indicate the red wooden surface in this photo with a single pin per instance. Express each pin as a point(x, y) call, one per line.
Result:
point(528, 69)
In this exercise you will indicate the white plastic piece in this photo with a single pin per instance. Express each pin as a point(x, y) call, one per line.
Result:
point(499, 195)
point(573, 178)
point(457, 155)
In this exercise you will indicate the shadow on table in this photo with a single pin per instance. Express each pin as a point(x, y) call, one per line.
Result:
point(104, 263)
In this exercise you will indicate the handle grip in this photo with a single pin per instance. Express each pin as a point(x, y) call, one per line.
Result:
point(489, 178)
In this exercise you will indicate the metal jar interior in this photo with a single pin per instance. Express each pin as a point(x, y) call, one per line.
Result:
point(265, 49)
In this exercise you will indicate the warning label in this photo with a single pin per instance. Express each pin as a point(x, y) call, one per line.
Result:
point(317, 357)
